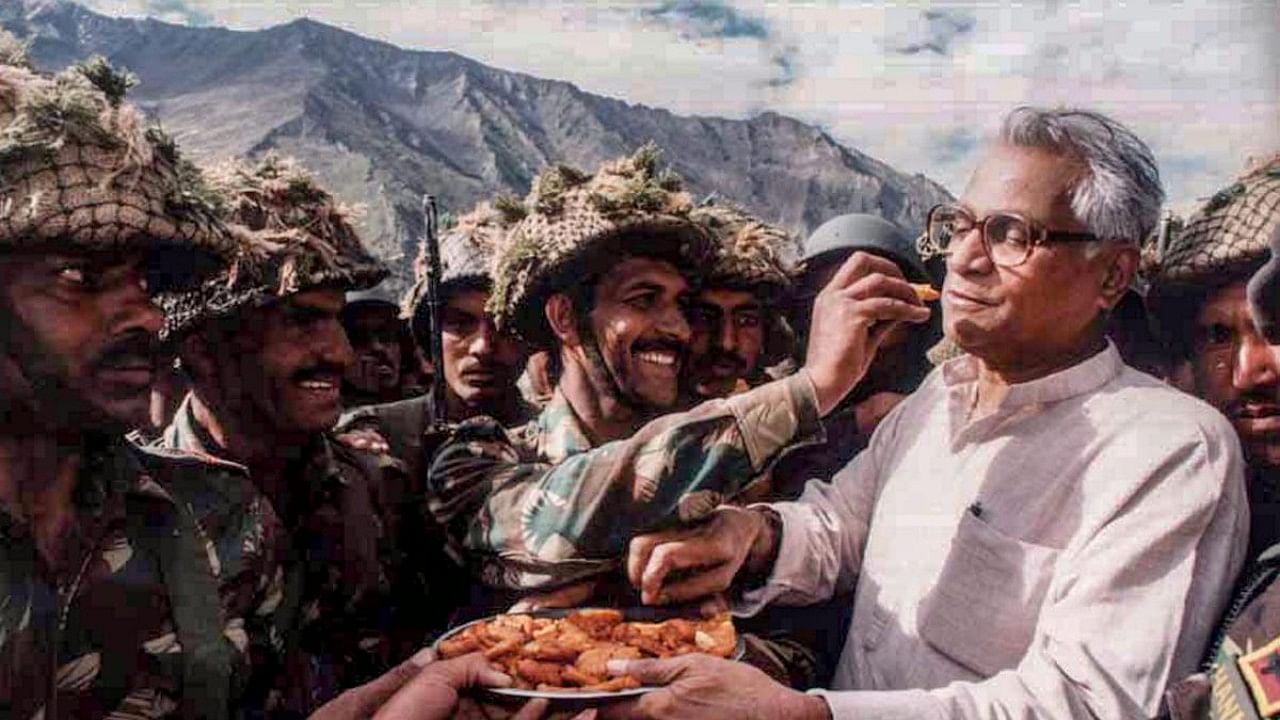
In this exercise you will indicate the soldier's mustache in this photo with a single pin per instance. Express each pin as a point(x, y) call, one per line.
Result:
point(323, 371)
point(721, 357)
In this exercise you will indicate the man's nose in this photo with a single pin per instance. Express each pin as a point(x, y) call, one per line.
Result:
point(673, 323)
point(333, 346)
point(728, 336)
point(482, 342)
point(967, 254)
point(1256, 365)
point(131, 308)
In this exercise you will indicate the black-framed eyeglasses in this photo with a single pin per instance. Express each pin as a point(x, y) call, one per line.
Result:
point(1007, 238)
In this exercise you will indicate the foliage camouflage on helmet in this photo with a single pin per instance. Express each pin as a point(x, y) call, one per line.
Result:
point(293, 236)
point(80, 168)
point(1223, 242)
point(750, 254)
point(1226, 236)
point(573, 224)
point(468, 249)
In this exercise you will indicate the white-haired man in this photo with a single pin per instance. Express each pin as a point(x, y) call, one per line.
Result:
point(1039, 531)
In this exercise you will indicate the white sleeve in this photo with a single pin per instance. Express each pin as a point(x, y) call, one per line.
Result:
point(824, 533)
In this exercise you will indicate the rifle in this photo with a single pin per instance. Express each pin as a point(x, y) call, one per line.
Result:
point(434, 306)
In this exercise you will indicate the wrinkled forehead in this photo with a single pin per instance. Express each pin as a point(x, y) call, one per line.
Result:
point(1031, 182)
point(636, 272)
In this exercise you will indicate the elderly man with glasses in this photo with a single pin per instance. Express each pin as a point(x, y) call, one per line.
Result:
point(1039, 530)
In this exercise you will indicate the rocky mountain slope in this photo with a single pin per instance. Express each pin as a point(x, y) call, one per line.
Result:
point(382, 124)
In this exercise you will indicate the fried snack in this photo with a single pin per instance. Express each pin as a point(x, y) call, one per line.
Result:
point(572, 654)
point(926, 292)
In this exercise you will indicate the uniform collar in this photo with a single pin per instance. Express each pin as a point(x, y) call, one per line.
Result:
point(559, 431)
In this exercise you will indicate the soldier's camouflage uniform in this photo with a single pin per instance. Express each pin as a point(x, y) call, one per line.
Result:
point(169, 564)
point(1221, 243)
point(538, 506)
point(360, 592)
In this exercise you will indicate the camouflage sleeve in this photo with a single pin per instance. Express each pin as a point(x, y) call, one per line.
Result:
point(534, 525)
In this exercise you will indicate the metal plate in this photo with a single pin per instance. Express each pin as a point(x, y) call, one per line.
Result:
point(578, 698)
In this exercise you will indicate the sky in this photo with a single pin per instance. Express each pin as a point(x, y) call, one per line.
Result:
point(915, 84)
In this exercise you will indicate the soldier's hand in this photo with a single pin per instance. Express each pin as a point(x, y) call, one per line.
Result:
point(676, 566)
point(433, 693)
point(851, 316)
point(696, 686)
point(364, 439)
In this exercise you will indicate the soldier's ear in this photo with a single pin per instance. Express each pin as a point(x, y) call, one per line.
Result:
point(562, 319)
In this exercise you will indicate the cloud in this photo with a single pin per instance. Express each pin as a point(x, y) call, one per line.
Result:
point(177, 11)
point(708, 19)
point(919, 90)
point(936, 34)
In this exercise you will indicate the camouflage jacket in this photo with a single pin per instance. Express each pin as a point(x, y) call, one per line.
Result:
point(359, 595)
point(538, 506)
point(169, 569)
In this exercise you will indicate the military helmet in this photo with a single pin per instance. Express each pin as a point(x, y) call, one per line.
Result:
point(293, 235)
point(80, 168)
point(853, 232)
point(1224, 241)
point(749, 254)
point(467, 252)
point(574, 224)
point(1228, 233)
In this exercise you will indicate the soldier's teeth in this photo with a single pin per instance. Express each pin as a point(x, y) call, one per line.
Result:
point(317, 385)
point(658, 358)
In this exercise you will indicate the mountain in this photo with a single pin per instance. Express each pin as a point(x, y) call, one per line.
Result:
point(382, 125)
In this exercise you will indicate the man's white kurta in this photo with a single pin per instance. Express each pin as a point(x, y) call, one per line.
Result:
point(1065, 557)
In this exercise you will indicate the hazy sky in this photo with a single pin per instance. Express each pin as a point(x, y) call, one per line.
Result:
point(914, 84)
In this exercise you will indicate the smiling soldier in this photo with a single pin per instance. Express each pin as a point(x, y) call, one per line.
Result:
point(599, 273)
point(266, 351)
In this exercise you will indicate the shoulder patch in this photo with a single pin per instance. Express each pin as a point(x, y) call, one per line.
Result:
point(1261, 671)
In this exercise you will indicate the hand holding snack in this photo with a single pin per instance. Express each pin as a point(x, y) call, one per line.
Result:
point(851, 317)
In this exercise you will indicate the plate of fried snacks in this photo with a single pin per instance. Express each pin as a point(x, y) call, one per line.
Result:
point(562, 654)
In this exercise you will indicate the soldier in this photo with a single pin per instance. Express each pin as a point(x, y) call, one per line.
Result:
point(594, 273)
point(266, 353)
point(1198, 297)
point(371, 320)
point(481, 364)
point(735, 316)
point(130, 579)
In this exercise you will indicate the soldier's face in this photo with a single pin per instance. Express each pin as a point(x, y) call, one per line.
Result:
point(640, 330)
point(1236, 371)
point(727, 339)
point(287, 363)
point(481, 365)
point(78, 341)
point(374, 331)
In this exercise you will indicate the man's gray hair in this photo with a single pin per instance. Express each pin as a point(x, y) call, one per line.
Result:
point(1119, 195)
